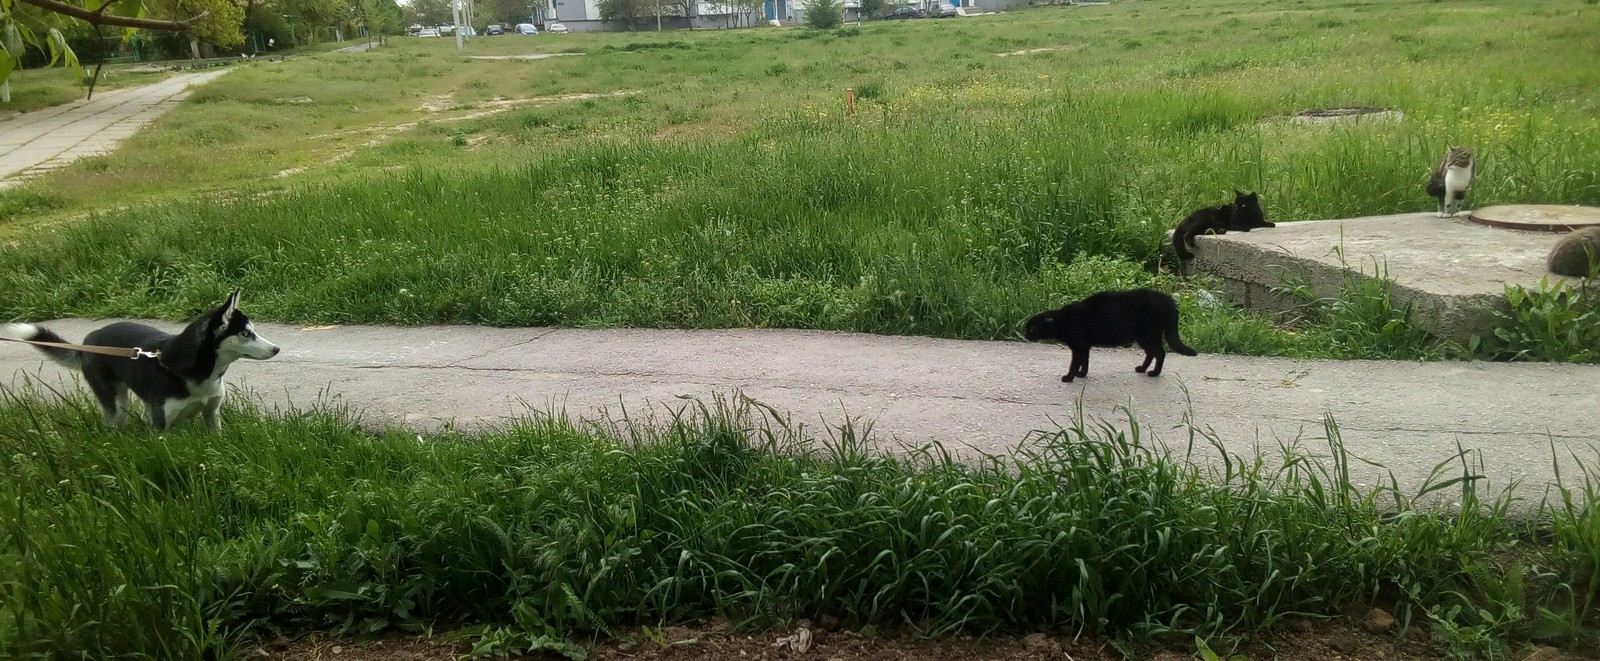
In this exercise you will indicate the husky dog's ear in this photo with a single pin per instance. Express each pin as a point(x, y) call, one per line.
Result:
point(232, 305)
point(222, 316)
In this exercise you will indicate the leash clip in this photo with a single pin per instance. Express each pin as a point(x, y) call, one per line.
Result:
point(141, 353)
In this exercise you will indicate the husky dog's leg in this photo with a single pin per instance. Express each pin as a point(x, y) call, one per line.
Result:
point(178, 411)
point(121, 414)
point(113, 396)
point(158, 415)
point(213, 413)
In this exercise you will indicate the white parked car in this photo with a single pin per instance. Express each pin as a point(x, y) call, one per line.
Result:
point(527, 28)
point(555, 28)
point(428, 32)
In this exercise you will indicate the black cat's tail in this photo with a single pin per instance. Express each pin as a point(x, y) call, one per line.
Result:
point(1180, 244)
point(1172, 336)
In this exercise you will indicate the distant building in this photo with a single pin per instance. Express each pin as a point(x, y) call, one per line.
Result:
point(584, 15)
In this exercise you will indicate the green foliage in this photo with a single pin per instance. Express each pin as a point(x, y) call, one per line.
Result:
point(120, 543)
point(1362, 321)
point(1556, 322)
point(382, 17)
point(874, 8)
point(627, 12)
point(219, 22)
point(824, 14)
point(428, 12)
point(23, 27)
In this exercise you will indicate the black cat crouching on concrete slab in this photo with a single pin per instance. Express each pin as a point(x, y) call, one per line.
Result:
point(1112, 319)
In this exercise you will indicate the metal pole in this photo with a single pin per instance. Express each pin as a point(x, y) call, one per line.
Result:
point(455, 15)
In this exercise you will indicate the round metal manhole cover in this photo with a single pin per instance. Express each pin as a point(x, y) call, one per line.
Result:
point(1538, 217)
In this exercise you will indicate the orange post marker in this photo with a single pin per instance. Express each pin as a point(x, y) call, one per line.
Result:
point(850, 100)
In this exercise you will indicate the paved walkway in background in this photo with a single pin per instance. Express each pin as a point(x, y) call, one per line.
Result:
point(981, 395)
point(40, 141)
point(366, 46)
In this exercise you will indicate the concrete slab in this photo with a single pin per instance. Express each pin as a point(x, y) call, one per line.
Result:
point(1452, 270)
point(974, 396)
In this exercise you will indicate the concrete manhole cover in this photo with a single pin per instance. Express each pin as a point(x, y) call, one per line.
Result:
point(1538, 217)
point(1346, 114)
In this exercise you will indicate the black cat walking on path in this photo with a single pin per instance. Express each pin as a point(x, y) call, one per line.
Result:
point(1112, 319)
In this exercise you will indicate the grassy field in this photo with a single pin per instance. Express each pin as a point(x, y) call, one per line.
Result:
point(185, 546)
point(714, 179)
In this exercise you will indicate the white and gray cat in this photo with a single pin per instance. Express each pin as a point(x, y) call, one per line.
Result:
point(1450, 180)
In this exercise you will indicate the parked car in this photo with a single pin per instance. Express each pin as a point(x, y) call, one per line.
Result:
point(555, 28)
point(428, 32)
point(527, 28)
point(494, 29)
point(942, 11)
point(415, 29)
point(900, 14)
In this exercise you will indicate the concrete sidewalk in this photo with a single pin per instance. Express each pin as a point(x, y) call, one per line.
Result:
point(984, 395)
point(36, 142)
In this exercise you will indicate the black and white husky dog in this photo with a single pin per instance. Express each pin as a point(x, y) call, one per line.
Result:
point(184, 379)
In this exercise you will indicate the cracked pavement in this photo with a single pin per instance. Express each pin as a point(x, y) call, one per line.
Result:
point(985, 396)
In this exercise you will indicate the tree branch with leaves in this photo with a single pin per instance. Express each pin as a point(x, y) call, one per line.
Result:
point(39, 24)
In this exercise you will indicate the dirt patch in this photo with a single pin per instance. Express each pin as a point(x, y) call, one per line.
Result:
point(439, 104)
point(499, 105)
point(1296, 640)
point(530, 56)
point(1033, 51)
point(1346, 114)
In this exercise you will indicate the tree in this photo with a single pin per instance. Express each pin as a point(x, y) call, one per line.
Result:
point(508, 11)
point(660, 8)
point(824, 14)
point(627, 11)
point(380, 18)
point(217, 21)
point(40, 24)
point(745, 9)
point(873, 8)
point(428, 12)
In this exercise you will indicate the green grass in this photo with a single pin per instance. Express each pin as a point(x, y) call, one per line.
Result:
point(185, 545)
point(729, 188)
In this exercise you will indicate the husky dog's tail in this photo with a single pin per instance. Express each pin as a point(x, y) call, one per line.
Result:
point(1174, 340)
point(31, 332)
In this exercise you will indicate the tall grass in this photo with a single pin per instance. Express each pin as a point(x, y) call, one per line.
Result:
point(184, 545)
point(804, 224)
point(732, 192)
